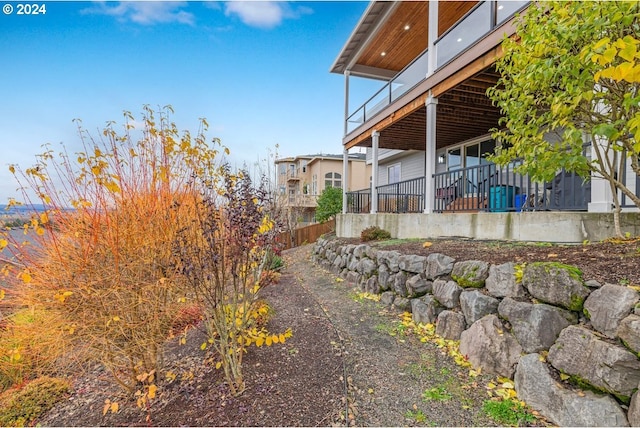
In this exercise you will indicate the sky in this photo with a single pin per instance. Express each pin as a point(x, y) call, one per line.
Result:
point(257, 71)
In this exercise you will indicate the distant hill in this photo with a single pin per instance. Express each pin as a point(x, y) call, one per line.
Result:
point(21, 209)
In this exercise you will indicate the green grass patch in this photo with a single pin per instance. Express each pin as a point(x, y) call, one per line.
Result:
point(438, 393)
point(416, 415)
point(508, 412)
point(390, 242)
point(19, 407)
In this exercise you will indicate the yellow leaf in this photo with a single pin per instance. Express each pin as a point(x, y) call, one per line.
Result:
point(152, 391)
point(552, 255)
point(44, 218)
point(3, 243)
point(183, 340)
point(203, 346)
point(339, 280)
point(275, 338)
point(105, 409)
point(218, 365)
point(508, 385)
point(269, 341)
point(427, 244)
point(170, 376)
point(12, 169)
point(288, 333)
point(282, 338)
point(116, 318)
point(491, 385)
point(259, 341)
point(26, 277)
point(564, 376)
point(114, 407)
point(2, 294)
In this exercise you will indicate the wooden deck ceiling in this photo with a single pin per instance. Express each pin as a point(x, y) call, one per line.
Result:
point(463, 112)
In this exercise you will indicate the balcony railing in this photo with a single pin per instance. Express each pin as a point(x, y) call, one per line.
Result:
point(487, 187)
point(409, 77)
point(471, 28)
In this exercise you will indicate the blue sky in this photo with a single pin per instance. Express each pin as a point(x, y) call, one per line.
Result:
point(258, 71)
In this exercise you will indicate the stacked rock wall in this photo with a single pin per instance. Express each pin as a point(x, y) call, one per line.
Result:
point(509, 317)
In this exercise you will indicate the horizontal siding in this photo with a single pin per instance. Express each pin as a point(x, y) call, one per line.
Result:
point(411, 166)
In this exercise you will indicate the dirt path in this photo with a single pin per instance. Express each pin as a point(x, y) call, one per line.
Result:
point(388, 375)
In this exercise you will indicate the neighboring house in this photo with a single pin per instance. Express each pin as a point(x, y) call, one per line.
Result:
point(301, 179)
point(427, 130)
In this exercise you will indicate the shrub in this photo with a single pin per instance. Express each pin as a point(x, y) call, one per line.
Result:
point(32, 344)
point(329, 204)
point(106, 267)
point(19, 407)
point(374, 233)
point(222, 254)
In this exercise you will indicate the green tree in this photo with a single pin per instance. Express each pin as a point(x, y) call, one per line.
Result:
point(329, 204)
point(572, 77)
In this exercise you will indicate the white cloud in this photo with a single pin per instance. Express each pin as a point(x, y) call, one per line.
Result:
point(264, 14)
point(144, 13)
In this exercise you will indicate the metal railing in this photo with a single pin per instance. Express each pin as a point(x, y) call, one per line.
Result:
point(359, 201)
point(402, 197)
point(487, 187)
point(469, 29)
point(406, 79)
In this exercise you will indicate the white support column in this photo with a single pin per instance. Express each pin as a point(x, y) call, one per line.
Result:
point(345, 179)
point(430, 155)
point(375, 137)
point(601, 196)
point(433, 36)
point(347, 73)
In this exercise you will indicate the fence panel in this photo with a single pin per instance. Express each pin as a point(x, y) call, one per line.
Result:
point(308, 234)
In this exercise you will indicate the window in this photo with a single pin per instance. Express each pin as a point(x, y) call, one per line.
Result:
point(314, 184)
point(393, 174)
point(304, 166)
point(282, 169)
point(470, 155)
point(332, 179)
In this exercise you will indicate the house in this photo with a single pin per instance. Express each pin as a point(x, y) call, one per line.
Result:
point(427, 132)
point(302, 179)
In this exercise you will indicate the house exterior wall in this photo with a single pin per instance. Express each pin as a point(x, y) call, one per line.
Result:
point(359, 176)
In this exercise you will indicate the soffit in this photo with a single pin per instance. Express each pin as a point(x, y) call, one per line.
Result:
point(375, 34)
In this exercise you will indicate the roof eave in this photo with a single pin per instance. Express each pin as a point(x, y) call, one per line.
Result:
point(369, 24)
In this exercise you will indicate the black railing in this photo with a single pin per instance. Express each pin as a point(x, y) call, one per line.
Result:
point(402, 197)
point(485, 187)
point(493, 188)
point(359, 201)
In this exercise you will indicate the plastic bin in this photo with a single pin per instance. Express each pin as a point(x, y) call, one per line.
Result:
point(501, 198)
point(520, 200)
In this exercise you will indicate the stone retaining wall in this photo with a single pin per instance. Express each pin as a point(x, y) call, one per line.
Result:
point(509, 317)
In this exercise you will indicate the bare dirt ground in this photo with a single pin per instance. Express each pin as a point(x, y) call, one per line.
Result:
point(342, 366)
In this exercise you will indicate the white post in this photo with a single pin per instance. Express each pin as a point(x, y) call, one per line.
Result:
point(433, 36)
point(430, 155)
point(601, 196)
point(345, 179)
point(375, 136)
point(347, 73)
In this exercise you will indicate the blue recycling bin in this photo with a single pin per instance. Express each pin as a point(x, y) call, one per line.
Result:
point(501, 198)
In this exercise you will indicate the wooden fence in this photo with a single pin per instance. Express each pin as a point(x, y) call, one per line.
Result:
point(305, 235)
